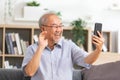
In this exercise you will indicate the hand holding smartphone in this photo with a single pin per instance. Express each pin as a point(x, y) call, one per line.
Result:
point(98, 27)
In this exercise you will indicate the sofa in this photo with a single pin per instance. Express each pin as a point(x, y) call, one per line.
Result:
point(107, 71)
point(17, 74)
point(11, 74)
point(107, 67)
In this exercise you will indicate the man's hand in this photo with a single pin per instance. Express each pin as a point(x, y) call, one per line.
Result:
point(98, 41)
point(34, 63)
point(43, 42)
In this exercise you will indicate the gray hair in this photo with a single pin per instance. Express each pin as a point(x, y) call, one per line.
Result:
point(44, 19)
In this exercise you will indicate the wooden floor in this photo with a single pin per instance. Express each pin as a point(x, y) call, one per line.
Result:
point(107, 57)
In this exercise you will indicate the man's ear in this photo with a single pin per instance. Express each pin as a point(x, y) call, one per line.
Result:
point(42, 29)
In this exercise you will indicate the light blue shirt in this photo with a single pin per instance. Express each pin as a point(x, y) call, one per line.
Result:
point(57, 64)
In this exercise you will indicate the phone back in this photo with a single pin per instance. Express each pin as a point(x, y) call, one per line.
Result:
point(98, 27)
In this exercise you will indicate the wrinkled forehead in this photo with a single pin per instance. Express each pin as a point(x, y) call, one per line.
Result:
point(53, 19)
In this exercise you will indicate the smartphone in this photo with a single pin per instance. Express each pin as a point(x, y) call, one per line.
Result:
point(98, 27)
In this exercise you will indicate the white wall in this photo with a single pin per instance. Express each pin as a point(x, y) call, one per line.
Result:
point(90, 10)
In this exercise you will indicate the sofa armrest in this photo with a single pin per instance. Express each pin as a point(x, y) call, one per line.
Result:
point(77, 75)
point(17, 74)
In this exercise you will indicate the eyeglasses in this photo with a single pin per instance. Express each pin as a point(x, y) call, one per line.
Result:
point(54, 26)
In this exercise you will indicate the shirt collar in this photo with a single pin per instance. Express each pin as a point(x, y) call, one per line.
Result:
point(60, 42)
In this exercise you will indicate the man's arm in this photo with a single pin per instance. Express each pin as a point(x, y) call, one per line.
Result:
point(33, 64)
point(98, 41)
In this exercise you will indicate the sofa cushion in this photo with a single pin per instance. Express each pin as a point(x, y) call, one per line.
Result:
point(76, 75)
point(108, 71)
point(11, 74)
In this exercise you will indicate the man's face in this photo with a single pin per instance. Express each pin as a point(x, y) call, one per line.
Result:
point(54, 29)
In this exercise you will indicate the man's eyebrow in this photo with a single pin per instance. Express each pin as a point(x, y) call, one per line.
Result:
point(56, 24)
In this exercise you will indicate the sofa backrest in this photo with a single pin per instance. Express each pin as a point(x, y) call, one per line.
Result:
point(108, 71)
point(11, 74)
point(17, 74)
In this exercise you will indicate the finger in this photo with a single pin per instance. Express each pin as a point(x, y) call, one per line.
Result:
point(43, 34)
point(100, 34)
point(97, 40)
point(94, 42)
point(98, 44)
point(101, 39)
point(95, 37)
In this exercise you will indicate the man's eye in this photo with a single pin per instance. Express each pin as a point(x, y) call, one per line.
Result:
point(54, 26)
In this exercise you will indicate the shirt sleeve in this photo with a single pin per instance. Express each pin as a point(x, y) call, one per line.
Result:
point(28, 55)
point(78, 55)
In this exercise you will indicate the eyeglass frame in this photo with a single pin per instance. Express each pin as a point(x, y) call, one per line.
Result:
point(54, 26)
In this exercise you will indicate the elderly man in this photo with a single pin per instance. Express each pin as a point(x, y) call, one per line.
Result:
point(52, 58)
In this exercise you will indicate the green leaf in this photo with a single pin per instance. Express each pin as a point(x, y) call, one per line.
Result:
point(33, 3)
point(78, 31)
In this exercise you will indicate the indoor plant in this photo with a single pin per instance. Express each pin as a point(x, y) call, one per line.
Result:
point(33, 10)
point(78, 31)
point(33, 3)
